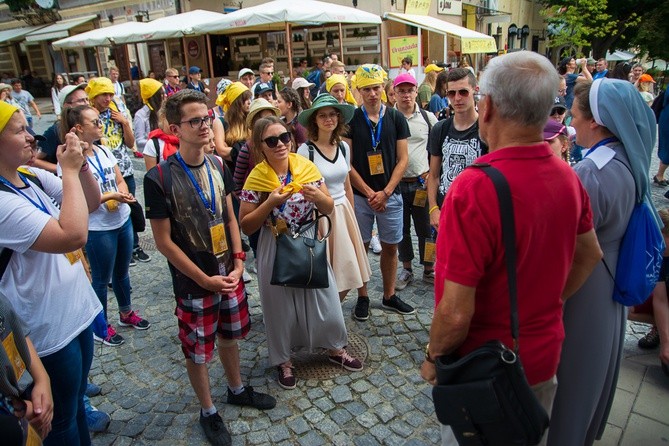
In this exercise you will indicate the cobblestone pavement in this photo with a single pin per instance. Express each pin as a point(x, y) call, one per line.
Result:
point(147, 393)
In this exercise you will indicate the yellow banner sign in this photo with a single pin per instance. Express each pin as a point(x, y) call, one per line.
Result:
point(472, 45)
point(418, 7)
point(401, 47)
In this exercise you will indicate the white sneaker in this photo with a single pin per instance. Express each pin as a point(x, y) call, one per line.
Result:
point(404, 279)
point(375, 244)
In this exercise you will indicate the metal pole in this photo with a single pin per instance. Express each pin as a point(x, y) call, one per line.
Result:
point(127, 60)
point(341, 43)
point(289, 46)
point(183, 43)
point(211, 58)
point(139, 66)
point(97, 59)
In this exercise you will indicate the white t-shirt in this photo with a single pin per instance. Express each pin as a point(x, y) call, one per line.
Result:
point(101, 219)
point(334, 171)
point(53, 297)
point(149, 148)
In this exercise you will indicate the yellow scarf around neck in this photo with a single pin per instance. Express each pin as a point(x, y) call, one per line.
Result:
point(264, 179)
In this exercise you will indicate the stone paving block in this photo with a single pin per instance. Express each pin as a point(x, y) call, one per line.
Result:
point(278, 433)
point(621, 409)
point(630, 376)
point(324, 404)
point(259, 423)
point(652, 402)
point(611, 436)
point(312, 438)
point(136, 425)
point(257, 437)
point(341, 394)
point(315, 393)
point(380, 432)
point(401, 428)
point(645, 431)
point(340, 416)
point(302, 404)
point(372, 399)
point(298, 425)
point(365, 440)
point(385, 412)
point(278, 413)
point(367, 419)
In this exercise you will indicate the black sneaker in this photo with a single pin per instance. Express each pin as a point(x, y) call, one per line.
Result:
point(132, 261)
point(361, 311)
point(651, 340)
point(251, 398)
point(140, 256)
point(215, 430)
point(396, 304)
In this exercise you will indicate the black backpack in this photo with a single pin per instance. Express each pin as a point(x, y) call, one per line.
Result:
point(657, 105)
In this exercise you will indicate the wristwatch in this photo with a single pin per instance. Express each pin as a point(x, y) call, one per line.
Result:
point(239, 255)
point(427, 354)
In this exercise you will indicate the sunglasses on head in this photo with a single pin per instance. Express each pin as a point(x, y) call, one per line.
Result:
point(558, 111)
point(462, 92)
point(273, 141)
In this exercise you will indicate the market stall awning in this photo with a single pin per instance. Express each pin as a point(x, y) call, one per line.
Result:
point(171, 27)
point(10, 35)
point(59, 29)
point(618, 56)
point(471, 41)
point(276, 14)
point(98, 37)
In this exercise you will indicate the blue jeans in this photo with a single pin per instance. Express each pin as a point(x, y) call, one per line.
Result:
point(68, 370)
point(109, 253)
point(132, 187)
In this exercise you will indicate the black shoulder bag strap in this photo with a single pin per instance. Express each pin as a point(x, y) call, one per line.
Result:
point(509, 239)
point(427, 120)
point(156, 144)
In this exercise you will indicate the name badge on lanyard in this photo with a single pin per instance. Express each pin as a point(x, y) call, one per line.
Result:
point(375, 158)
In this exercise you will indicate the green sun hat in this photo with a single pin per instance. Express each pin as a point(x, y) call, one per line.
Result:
point(326, 100)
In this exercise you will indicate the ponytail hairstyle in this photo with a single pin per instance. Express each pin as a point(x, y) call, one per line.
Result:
point(69, 117)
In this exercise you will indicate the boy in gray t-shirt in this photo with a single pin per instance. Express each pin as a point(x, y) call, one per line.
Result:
point(24, 98)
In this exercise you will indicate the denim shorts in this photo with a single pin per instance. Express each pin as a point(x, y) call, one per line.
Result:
point(388, 222)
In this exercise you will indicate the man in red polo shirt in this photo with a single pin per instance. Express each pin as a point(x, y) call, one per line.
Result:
point(555, 240)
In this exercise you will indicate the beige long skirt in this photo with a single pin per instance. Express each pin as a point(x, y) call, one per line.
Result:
point(346, 252)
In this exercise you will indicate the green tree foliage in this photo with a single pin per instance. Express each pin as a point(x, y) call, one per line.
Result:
point(653, 34)
point(599, 24)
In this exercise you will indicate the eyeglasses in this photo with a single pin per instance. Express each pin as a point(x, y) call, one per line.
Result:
point(558, 111)
point(78, 101)
point(405, 92)
point(273, 141)
point(478, 96)
point(196, 123)
point(173, 75)
point(462, 92)
point(326, 116)
point(96, 122)
point(269, 72)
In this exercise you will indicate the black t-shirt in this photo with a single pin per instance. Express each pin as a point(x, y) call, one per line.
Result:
point(189, 218)
point(457, 149)
point(394, 128)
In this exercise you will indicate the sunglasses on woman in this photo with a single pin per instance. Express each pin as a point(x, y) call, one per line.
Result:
point(558, 111)
point(273, 141)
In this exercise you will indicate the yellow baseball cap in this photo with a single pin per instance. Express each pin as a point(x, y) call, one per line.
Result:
point(433, 67)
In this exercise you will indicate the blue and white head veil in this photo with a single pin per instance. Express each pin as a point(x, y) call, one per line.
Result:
point(618, 106)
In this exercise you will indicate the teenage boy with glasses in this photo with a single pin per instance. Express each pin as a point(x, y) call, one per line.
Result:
point(194, 227)
point(454, 142)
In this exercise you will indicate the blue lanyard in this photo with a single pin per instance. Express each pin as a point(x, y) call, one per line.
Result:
point(41, 206)
point(376, 136)
point(601, 143)
point(211, 207)
point(289, 177)
point(98, 168)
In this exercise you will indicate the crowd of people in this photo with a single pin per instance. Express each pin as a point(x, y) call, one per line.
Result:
point(373, 154)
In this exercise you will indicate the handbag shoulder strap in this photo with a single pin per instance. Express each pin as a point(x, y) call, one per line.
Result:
point(509, 238)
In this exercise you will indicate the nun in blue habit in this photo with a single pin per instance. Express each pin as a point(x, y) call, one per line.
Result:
point(611, 119)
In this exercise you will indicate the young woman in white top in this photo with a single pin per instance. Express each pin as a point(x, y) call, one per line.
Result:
point(45, 225)
point(109, 245)
point(58, 85)
point(326, 122)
